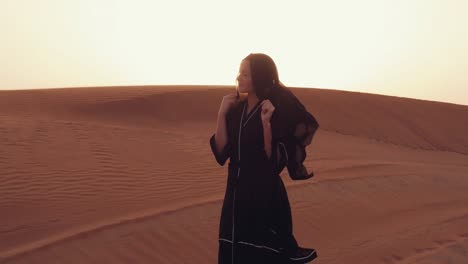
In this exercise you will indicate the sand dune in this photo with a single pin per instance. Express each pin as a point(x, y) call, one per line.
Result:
point(125, 175)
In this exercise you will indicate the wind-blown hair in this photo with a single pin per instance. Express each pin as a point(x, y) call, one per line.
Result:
point(292, 124)
point(264, 74)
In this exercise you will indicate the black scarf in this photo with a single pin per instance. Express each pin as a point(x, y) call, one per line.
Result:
point(293, 128)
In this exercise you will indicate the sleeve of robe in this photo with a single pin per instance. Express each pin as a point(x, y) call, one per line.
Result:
point(221, 155)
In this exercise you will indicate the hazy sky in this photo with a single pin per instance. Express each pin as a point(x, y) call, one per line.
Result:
point(407, 48)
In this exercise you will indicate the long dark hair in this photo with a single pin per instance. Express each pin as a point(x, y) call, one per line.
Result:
point(264, 74)
point(291, 122)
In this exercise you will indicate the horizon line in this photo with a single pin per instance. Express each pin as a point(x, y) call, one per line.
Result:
point(217, 85)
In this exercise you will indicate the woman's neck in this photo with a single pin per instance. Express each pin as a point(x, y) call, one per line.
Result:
point(252, 100)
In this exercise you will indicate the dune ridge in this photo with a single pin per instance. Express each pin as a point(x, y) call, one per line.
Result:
point(418, 123)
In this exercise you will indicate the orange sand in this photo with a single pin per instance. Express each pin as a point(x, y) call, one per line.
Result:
point(126, 175)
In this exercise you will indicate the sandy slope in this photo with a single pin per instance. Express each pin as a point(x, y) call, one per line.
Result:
point(125, 174)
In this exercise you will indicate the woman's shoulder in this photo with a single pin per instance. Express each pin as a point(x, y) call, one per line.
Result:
point(236, 109)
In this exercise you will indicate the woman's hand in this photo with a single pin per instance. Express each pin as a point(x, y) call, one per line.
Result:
point(267, 111)
point(228, 102)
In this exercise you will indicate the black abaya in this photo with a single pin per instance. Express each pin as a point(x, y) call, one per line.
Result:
point(256, 223)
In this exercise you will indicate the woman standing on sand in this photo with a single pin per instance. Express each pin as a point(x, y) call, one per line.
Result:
point(261, 134)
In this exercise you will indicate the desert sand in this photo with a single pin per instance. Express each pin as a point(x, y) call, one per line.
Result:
point(126, 175)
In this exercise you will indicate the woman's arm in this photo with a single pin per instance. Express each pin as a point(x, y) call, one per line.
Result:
point(221, 132)
point(267, 137)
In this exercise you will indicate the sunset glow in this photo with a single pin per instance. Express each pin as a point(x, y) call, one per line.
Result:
point(411, 48)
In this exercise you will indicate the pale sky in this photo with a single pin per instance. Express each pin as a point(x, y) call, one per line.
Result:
point(408, 48)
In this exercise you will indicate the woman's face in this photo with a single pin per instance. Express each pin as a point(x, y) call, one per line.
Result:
point(244, 78)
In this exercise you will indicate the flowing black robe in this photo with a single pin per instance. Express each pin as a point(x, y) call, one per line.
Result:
point(256, 222)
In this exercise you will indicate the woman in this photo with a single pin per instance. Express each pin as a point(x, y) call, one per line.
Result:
point(261, 134)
